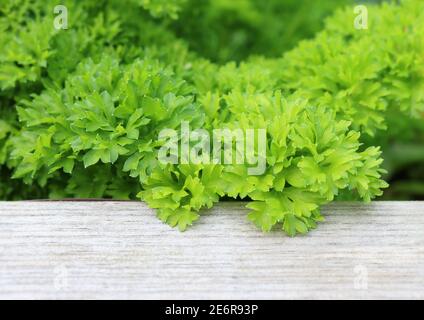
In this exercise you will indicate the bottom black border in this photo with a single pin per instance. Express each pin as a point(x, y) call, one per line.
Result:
point(216, 309)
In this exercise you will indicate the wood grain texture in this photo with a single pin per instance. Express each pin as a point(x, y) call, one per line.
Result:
point(119, 250)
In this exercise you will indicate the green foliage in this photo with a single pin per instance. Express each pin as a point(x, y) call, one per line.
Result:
point(376, 78)
point(105, 112)
point(81, 109)
point(311, 157)
point(364, 75)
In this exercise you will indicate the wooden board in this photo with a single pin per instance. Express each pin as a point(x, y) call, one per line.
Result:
point(119, 250)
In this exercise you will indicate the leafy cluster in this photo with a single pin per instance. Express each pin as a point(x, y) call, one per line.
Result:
point(364, 75)
point(376, 78)
point(81, 109)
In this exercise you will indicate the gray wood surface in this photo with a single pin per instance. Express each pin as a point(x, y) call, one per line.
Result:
point(119, 250)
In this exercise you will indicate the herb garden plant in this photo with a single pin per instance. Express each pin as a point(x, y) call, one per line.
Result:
point(82, 108)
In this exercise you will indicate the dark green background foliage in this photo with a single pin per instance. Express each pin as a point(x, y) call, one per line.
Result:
point(81, 109)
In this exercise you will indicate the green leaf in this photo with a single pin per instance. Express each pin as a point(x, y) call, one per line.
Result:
point(92, 157)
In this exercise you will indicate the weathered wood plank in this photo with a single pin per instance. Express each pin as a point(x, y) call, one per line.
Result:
point(120, 250)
